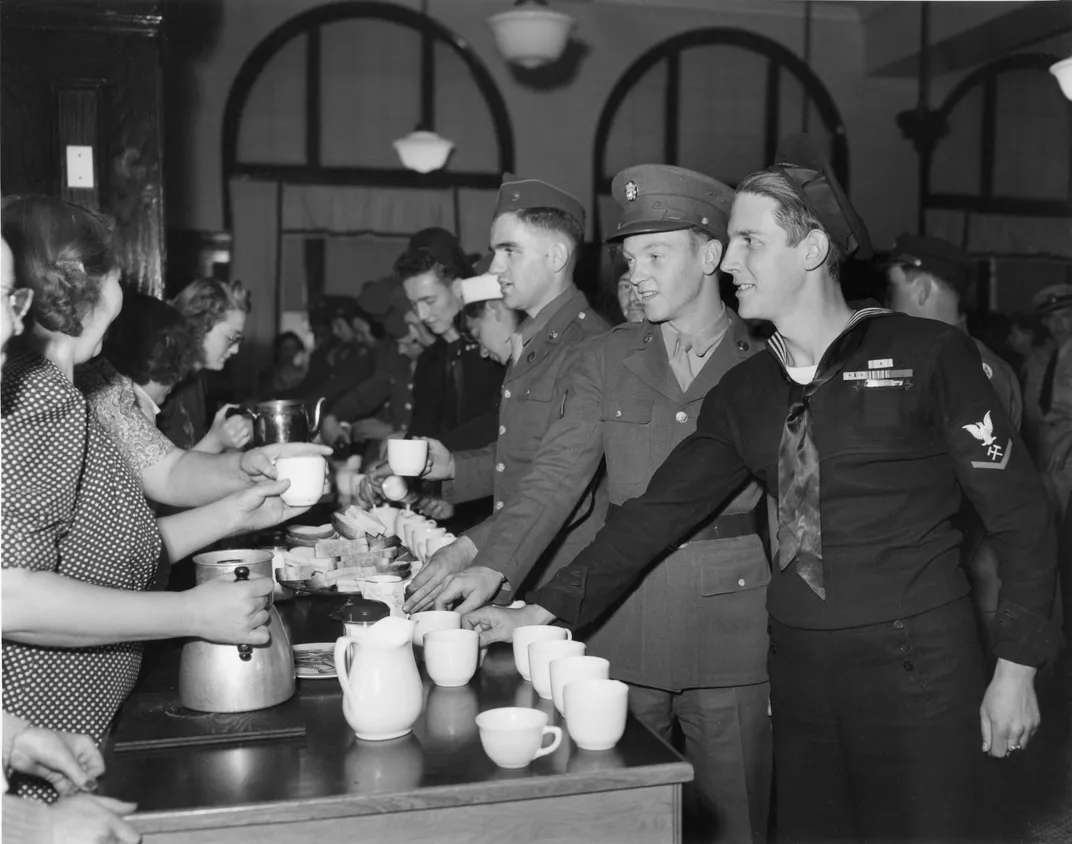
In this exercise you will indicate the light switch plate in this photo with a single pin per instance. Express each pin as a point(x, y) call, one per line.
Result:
point(79, 167)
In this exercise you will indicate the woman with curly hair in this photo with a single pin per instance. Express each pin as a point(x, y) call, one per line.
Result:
point(80, 545)
point(216, 312)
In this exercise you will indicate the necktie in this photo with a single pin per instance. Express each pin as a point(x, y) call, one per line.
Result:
point(679, 362)
point(516, 345)
point(1048, 378)
point(799, 521)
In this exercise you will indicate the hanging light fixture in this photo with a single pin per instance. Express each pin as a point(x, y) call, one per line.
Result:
point(531, 34)
point(423, 150)
point(1063, 72)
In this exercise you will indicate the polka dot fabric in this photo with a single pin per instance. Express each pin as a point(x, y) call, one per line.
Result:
point(72, 505)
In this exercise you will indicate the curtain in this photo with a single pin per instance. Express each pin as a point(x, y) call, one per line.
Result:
point(254, 262)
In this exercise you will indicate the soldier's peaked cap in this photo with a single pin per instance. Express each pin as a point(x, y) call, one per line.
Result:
point(1056, 297)
point(520, 194)
point(663, 198)
point(933, 255)
point(804, 164)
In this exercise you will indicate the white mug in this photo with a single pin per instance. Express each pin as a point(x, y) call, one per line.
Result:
point(512, 735)
point(526, 635)
point(567, 669)
point(407, 457)
point(541, 652)
point(426, 622)
point(595, 712)
point(387, 517)
point(450, 656)
point(421, 537)
point(306, 476)
point(388, 588)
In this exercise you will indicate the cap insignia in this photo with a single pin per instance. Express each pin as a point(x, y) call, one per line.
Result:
point(631, 191)
point(517, 196)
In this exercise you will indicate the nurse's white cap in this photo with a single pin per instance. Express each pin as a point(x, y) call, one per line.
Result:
point(480, 288)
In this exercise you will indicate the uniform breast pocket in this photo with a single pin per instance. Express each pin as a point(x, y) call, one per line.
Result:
point(627, 438)
point(534, 404)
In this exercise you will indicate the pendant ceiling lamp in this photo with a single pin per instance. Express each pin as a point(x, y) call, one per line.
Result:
point(530, 34)
point(423, 150)
point(1063, 72)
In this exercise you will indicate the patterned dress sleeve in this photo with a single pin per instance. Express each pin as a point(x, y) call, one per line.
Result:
point(112, 400)
point(44, 448)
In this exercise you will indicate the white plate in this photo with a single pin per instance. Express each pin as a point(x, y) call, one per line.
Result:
point(314, 661)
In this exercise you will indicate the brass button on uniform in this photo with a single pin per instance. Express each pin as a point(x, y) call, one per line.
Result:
point(408, 406)
point(500, 467)
point(498, 505)
point(617, 413)
point(740, 582)
point(904, 647)
point(908, 665)
point(502, 430)
point(581, 315)
point(553, 335)
point(506, 394)
point(681, 416)
point(898, 625)
point(742, 346)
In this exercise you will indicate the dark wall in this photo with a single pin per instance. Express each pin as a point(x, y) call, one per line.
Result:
point(87, 74)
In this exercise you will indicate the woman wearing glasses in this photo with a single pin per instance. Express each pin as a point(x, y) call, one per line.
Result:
point(216, 311)
point(80, 545)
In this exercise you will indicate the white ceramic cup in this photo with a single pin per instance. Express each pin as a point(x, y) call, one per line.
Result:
point(388, 516)
point(388, 588)
point(541, 652)
point(450, 656)
point(512, 736)
point(595, 712)
point(436, 542)
point(526, 635)
point(567, 669)
point(407, 457)
point(426, 622)
point(306, 476)
point(422, 539)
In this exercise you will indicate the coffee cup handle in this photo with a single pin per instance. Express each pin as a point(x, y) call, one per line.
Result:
point(553, 746)
point(569, 634)
point(342, 647)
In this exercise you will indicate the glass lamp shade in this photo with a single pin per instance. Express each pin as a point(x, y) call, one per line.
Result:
point(423, 151)
point(1063, 72)
point(531, 37)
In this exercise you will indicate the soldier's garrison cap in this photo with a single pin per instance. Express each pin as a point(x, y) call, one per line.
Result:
point(520, 194)
point(664, 198)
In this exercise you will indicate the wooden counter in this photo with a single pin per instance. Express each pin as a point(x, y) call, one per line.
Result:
point(436, 784)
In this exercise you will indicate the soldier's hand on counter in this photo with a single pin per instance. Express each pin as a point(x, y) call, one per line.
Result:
point(230, 612)
point(497, 624)
point(69, 761)
point(434, 508)
point(259, 506)
point(89, 819)
point(430, 580)
point(259, 463)
point(474, 587)
point(440, 465)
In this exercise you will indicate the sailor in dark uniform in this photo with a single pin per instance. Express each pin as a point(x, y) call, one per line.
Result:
point(870, 427)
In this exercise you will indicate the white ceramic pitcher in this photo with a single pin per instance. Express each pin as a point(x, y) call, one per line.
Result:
point(382, 691)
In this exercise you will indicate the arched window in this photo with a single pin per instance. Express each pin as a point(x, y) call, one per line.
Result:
point(715, 100)
point(314, 194)
point(1001, 187)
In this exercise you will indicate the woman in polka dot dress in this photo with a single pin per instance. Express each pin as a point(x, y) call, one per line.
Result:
point(79, 542)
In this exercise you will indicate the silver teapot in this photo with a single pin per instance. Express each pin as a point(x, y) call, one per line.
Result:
point(282, 421)
point(236, 678)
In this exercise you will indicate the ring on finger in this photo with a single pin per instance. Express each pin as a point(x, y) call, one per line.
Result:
point(1010, 748)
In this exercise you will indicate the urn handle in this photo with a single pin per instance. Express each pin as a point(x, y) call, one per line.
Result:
point(245, 652)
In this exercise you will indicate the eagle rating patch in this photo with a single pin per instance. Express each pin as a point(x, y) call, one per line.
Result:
point(997, 455)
